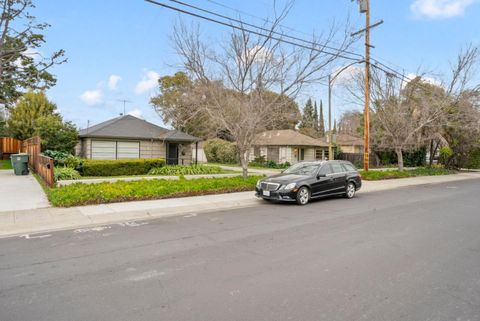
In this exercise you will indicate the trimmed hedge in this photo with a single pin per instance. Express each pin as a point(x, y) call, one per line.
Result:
point(120, 167)
point(186, 170)
point(376, 175)
point(84, 194)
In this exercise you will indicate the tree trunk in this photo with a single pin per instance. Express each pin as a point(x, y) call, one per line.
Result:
point(244, 163)
point(400, 158)
point(430, 160)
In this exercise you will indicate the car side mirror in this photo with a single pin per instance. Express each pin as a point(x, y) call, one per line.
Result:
point(321, 175)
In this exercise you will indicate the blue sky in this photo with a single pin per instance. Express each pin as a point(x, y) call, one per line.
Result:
point(117, 49)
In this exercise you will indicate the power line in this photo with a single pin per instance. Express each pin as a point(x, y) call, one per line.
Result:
point(261, 28)
point(391, 70)
point(251, 31)
point(312, 47)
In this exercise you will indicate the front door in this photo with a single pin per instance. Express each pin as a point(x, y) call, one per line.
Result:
point(172, 154)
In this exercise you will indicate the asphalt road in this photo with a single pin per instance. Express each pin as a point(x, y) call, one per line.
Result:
point(405, 254)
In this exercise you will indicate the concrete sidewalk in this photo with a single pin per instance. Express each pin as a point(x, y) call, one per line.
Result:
point(48, 219)
point(20, 193)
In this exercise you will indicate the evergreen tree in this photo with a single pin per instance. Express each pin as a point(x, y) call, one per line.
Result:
point(315, 118)
point(321, 121)
point(307, 117)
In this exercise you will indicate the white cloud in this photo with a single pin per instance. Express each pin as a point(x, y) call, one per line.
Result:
point(439, 9)
point(428, 80)
point(148, 82)
point(136, 113)
point(92, 97)
point(113, 82)
point(348, 74)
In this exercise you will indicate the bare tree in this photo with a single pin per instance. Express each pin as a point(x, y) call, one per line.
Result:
point(234, 75)
point(411, 113)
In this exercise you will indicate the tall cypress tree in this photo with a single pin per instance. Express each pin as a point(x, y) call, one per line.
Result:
point(321, 121)
point(315, 118)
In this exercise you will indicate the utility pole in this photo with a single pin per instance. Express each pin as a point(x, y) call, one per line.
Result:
point(366, 112)
point(331, 79)
point(330, 136)
point(365, 8)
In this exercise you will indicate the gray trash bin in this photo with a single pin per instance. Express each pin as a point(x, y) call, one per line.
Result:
point(20, 164)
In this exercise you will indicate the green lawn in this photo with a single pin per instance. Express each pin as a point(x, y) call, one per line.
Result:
point(5, 164)
point(84, 194)
point(376, 175)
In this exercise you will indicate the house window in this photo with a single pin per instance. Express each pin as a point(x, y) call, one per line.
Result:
point(319, 154)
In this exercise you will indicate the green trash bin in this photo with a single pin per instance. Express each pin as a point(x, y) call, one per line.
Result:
point(20, 164)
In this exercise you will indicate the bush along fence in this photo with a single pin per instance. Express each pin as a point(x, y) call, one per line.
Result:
point(40, 164)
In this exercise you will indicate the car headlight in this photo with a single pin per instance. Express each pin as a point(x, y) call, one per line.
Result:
point(290, 186)
point(259, 184)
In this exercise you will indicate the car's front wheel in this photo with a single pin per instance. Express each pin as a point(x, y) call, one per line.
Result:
point(350, 190)
point(303, 195)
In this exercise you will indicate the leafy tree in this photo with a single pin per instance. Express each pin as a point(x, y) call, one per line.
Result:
point(3, 124)
point(35, 115)
point(21, 67)
point(285, 112)
point(172, 106)
point(57, 135)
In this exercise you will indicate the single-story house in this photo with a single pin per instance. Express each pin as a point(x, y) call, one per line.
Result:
point(129, 137)
point(288, 145)
point(349, 144)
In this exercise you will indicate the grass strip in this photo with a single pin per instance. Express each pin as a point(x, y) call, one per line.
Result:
point(376, 175)
point(5, 164)
point(85, 194)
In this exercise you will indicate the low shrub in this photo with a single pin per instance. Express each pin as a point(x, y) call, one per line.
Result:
point(120, 167)
point(65, 173)
point(186, 170)
point(220, 151)
point(268, 164)
point(83, 194)
point(375, 175)
point(63, 159)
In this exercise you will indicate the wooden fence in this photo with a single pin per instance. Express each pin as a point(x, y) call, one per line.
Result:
point(40, 164)
point(8, 146)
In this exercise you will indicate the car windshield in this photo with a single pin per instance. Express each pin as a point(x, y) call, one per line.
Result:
point(302, 169)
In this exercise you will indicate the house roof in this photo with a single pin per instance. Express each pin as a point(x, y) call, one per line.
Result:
point(130, 127)
point(345, 139)
point(287, 137)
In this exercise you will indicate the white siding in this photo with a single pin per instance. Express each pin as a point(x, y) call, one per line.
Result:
point(128, 150)
point(103, 149)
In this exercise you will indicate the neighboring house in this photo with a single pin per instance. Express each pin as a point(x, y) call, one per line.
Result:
point(198, 153)
point(349, 144)
point(288, 145)
point(128, 137)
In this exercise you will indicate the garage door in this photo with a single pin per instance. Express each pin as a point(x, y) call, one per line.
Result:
point(103, 149)
point(126, 150)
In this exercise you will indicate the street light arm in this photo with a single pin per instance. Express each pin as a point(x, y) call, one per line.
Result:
point(332, 79)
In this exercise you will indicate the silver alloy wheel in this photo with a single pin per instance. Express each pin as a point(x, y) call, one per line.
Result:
point(350, 190)
point(303, 196)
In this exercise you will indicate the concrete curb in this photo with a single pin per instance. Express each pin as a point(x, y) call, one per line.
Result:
point(54, 219)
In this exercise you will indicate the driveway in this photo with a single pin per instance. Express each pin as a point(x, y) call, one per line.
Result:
point(20, 192)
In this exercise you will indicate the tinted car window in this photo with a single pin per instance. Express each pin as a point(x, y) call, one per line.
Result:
point(337, 168)
point(325, 170)
point(349, 167)
point(302, 169)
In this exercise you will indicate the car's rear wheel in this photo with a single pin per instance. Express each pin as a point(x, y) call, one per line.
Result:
point(303, 195)
point(350, 190)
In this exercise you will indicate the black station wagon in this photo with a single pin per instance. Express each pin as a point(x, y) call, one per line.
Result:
point(307, 180)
